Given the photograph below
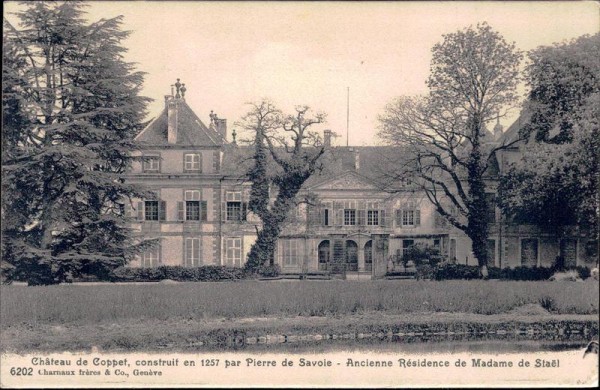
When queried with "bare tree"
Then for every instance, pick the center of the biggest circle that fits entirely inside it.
(286, 153)
(446, 149)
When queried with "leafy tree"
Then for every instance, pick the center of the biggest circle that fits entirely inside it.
(556, 183)
(286, 154)
(446, 149)
(71, 108)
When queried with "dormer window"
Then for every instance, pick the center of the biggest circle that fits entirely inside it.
(192, 162)
(151, 164)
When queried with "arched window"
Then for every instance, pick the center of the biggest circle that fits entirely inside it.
(369, 255)
(323, 255)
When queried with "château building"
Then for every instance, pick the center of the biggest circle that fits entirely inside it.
(356, 226)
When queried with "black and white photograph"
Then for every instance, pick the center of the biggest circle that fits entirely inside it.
(300, 194)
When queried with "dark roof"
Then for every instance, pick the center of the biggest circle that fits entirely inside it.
(512, 133)
(336, 161)
(190, 130)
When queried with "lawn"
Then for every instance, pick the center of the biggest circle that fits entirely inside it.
(184, 316)
(81, 304)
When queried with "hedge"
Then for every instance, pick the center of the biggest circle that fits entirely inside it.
(207, 273)
(462, 271)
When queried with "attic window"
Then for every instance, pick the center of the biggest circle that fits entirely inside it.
(192, 162)
(151, 164)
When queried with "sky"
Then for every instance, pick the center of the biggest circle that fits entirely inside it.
(230, 53)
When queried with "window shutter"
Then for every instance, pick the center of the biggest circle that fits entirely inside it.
(180, 211)
(398, 217)
(417, 217)
(224, 211)
(162, 210)
(203, 211)
(382, 217)
(314, 214)
(140, 211)
(244, 210)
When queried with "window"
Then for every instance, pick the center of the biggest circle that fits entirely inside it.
(326, 217)
(151, 258)
(408, 216)
(195, 209)
(529, 252)
(289, 253)
(234, 210)
(192, 252)
(372, 217)
(233, 252)
(151, 210)
(349, 217)
(192, 162)
(406, 245)
(192, 210)
(568, 251)
(151, 164)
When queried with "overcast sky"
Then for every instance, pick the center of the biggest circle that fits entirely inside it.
(231, 53)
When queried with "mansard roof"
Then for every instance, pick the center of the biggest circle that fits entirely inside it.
(191, 131)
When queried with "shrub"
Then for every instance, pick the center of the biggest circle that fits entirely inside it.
(425, 271)
(456, 271)
(421, 254)
(207, 273)
(269, 271)
(462, 271)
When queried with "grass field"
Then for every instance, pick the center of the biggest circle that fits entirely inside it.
(81, 304)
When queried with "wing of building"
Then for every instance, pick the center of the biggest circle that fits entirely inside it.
(199, 211)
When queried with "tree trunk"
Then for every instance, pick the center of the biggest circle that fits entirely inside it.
(478, 224)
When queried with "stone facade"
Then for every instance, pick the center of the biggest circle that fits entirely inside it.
(199, 210)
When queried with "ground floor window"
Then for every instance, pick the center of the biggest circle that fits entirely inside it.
(233, 252)
(324, 255)
(529, 252)
(192, 252)
(369, 255)
(453, 250)
(406, 245)
(151, 257)
(568, 252)
(289, 253)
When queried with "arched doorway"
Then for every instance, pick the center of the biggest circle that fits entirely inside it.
(351, 256)
(369, 255)
(324, 253)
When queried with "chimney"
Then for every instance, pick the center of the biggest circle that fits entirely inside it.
(221, 125)
(327, 138)
(172, 112)
(498, 131)
(172, 105)
(356, 160)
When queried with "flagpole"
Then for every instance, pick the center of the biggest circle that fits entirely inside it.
(348, 117)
